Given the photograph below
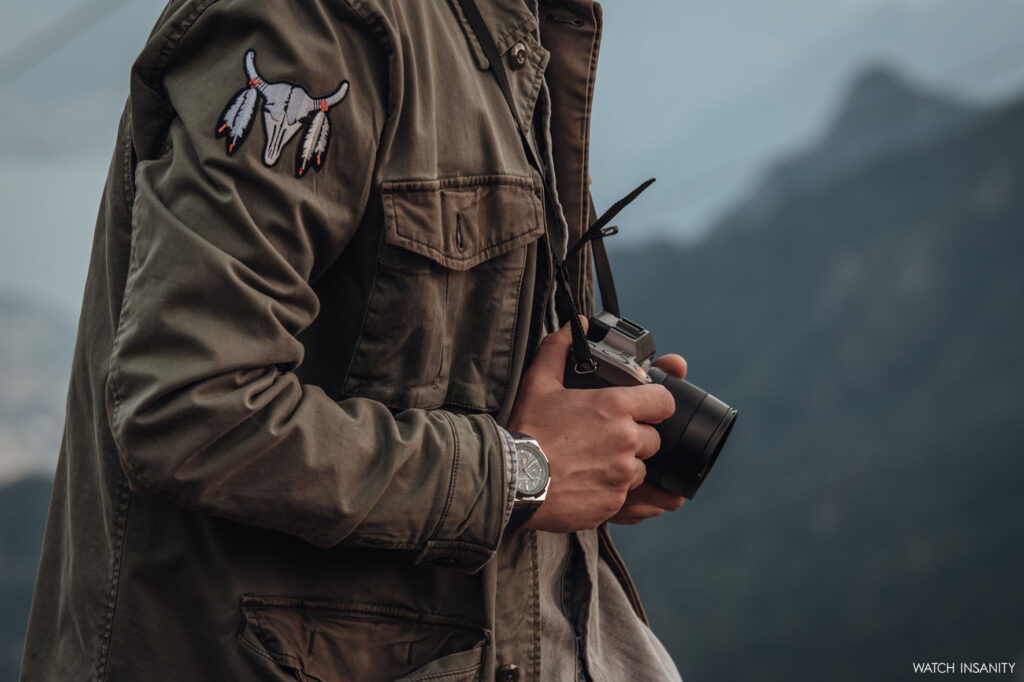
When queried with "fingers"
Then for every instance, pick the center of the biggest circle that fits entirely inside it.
(549, 363)
(673, 364)
(645, 502)
(632, 514)
(649, 404)
(652, 495)
(650, 441)
(639, 475)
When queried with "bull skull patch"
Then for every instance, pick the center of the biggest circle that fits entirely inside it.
(286, 109)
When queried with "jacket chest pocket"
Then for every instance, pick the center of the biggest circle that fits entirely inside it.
(441, 316)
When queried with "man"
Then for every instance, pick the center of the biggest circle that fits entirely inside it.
(310, 358)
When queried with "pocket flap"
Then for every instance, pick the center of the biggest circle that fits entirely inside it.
(461, 222)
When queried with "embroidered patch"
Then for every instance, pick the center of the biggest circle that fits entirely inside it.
(286, 109)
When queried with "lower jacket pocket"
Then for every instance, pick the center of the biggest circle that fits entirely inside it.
(462, 666)
(326, 641)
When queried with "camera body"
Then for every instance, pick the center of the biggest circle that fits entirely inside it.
(692, 438)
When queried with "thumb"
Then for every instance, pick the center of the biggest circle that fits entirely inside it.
(549, 363)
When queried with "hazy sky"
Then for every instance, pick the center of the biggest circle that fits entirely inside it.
(667, 68)
(684, 59)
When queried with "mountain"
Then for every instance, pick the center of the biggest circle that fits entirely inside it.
(882, 113)
(866, 512)
(35, 363)
(707, 151)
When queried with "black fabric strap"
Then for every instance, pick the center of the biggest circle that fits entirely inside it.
(563, 293)
(609, 299)
(596, 234)
(597, 229)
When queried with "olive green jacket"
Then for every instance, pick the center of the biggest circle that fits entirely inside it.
(319, 269)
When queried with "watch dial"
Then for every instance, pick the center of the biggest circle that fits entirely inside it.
(533, 469)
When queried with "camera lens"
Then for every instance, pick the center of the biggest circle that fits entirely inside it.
(690, 439)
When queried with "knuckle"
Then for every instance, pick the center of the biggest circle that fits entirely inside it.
(624, 471)
(613, 403)
(612, 507)
(631, 441)
(650, 440)
(617, 478)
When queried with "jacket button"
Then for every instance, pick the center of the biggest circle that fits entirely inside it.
(518, 56)
(508, 673)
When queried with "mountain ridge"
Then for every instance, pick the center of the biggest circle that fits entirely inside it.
(882, 112)
(864, 331)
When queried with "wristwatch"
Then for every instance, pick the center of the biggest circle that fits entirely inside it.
(532, 479)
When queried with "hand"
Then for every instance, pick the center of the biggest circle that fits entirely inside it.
(647, 501)
(595, 439)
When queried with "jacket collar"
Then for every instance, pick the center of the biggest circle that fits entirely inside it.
(507, 20)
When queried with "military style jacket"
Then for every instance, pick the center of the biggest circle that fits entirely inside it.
(319, 269)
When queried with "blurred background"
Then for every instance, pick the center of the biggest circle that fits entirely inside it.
(835, 243)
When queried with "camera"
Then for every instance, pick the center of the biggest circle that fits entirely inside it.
(691, 438)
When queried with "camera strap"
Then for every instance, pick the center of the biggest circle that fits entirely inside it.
(596, 234)
(585, 362)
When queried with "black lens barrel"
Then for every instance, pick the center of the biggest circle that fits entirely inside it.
(690, 439)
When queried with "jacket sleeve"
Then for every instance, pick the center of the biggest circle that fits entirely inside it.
(202, 398)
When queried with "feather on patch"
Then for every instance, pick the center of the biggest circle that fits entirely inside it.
(314, 143)
(237, 120)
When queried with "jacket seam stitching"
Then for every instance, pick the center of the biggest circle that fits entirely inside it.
(538, 81)
(268, 655)
(117, 561)
(453, 546)
(295, 660)
(457, 182)
(396, 404)
(255, 649)
(595, 47)
(520, 29)
(256, 603)
(128, 191)
(172, 41)
(515, 320)
(486, 251)
(454, 479)
(509, 476)
(446, 673)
